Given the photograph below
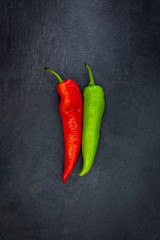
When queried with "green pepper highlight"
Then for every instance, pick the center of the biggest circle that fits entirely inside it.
(93, 109)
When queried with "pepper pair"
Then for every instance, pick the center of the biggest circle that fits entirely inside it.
(71, 108)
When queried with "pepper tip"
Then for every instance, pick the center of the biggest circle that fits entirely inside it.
(85, 64)
(84, 171)
(64, 178)
(81, 174)
(45, 68)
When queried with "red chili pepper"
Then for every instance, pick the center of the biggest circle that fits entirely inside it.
(70, 108)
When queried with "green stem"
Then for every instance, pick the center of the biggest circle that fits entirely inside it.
(59, 78)
(90, 74)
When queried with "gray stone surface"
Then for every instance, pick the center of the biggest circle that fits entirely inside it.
(120, 198)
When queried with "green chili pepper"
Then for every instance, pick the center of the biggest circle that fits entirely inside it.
(93, 109)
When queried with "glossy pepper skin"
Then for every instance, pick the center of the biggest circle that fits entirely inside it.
(70, 108)
(93, 108)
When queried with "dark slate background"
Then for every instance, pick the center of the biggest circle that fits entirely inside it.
(120, 198)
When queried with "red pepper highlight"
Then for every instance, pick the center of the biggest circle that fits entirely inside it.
(70, 108)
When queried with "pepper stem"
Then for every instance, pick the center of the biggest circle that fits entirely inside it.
(90, 74)
(59, 78)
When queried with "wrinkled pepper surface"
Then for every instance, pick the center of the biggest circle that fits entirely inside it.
(93, 108)
(70, 108)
